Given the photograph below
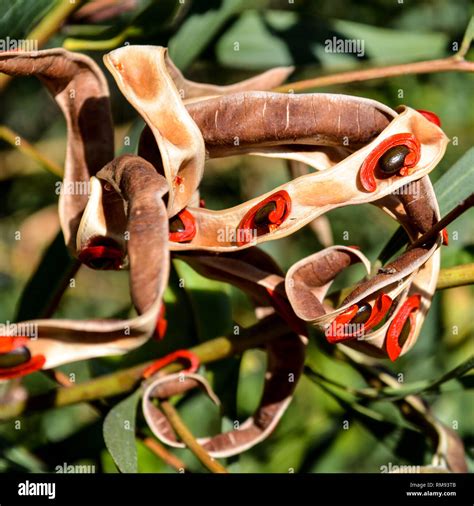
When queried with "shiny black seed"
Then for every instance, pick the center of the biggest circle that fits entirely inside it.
(393, 159)
(363, 313)
(261, 216)
(176, 225)
(405, 333)
(16, 357)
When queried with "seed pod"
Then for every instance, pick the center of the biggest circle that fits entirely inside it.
(15, 357)
(182, 227)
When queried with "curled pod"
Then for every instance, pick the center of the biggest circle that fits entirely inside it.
(182, 227)
(395, 155)
(265, 217)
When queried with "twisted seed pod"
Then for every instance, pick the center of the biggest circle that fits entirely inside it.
(256, 273)
(413, 273)
(80, 89)
(343, 137)
(134, 183)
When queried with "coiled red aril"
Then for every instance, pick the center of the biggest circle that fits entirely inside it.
(16, 359)
(395, 155)
(401, 326)
(182, 227)
(265, 217)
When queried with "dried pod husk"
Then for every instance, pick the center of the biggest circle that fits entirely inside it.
(80, 89)
(192, 90)
(256, 273)
(142, 75)
(314, 194)
(285, 359)
(412, 275)
(140, 190)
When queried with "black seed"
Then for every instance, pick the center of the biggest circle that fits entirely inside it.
(102, 263)
(15, 357)
(176, 225)
(393, 159)
(363, 313)
(405, 333)
(261, 216)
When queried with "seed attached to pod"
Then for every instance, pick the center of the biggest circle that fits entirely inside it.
(402, 325)
(261, 216)
(102, 253)
(265, 217)
(397, 154)
(393, 160)
(363, 313)
(176, 225)
(182, 227)
(15, 357)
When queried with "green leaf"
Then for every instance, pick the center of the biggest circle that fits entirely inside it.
(18, 17)
(119, 433)
(47, 282)
(200, 28)
(456, 184)
(257, 47)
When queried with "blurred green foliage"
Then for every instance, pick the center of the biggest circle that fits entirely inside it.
(225, 41)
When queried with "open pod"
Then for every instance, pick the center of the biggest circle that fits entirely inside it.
(254, 272)
(382, 315)
(80, 89)
(284, 366)
(291, 206)
(139, 189)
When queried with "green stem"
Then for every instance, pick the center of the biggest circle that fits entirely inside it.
(456, 276)
(189, 440)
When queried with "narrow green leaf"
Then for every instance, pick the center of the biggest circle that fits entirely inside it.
(200, 28)
(456, 184)
(119, 433)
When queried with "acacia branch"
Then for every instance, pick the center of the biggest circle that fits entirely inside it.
(189, 440)
(450, 64)
(29, 150)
